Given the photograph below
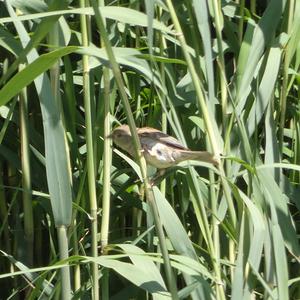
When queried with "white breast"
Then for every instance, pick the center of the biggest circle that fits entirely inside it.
(159, 155)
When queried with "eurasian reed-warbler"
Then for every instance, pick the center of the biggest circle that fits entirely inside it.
(159, 149)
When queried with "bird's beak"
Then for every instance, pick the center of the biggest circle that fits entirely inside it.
(110, 136)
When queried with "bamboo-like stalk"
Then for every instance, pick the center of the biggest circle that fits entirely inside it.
(76, 272)
(162, 47)
(215, 224)
(106, 163)
(106, 180)
(63, 254)
(220, 58)
(284, 90)
(106, 157)
(140, 159)
(90, 152)
(241, 20)
(253, 6)
(4, 213)
(26, 178)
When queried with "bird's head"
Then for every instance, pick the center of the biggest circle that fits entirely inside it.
(121, 136)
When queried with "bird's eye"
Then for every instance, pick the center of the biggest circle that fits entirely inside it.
(159, 152)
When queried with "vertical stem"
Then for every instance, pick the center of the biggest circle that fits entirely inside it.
(106, 158)
(63, 254)
(76, 272)
(90, 152)
(26, 179)
(107, 164)
(241, 20)
(215, 225)
(106, 176)
(163, 46)
(221, 63)
(74, 231)
(253, 7)
(284, 91)
(4, 213)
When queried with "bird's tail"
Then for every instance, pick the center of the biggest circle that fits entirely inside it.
(199, 155)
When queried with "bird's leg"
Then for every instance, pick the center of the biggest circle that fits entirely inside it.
(159, 173)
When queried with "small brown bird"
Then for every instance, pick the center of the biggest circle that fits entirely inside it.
(159, 149)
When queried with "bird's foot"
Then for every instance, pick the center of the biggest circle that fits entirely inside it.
(158, 177)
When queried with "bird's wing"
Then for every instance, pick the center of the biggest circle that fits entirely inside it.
(155, 134)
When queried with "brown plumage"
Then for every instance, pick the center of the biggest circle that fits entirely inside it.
(159, 149)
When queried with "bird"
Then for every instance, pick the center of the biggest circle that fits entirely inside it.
(159, 149)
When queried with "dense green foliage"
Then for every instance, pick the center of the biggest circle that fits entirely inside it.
(79, 219)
